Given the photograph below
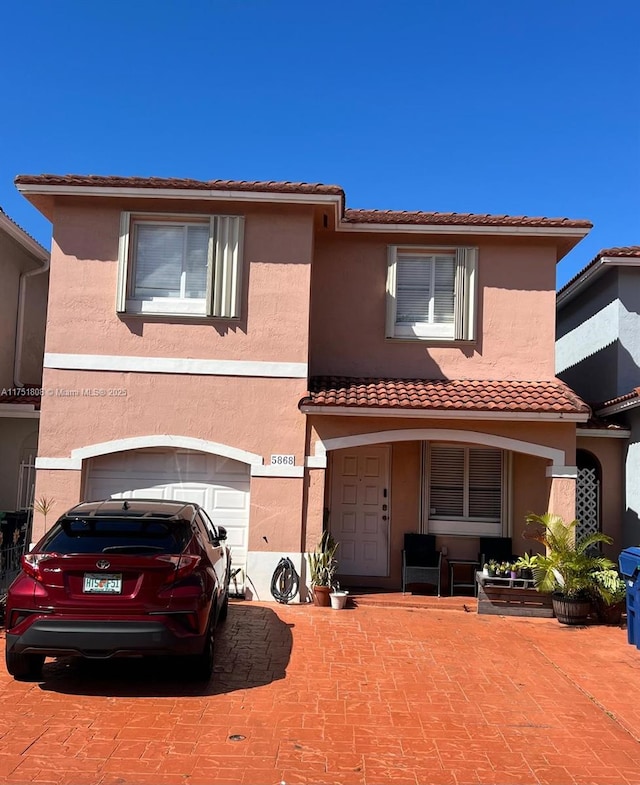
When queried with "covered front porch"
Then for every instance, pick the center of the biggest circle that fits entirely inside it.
(378, 476)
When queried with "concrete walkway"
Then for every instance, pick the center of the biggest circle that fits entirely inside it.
(368, 696)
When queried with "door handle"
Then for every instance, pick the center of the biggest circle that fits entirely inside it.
(384, 517)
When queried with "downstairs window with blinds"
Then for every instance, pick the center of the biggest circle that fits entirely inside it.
(431, 293)
(182, 265)
(465, 490)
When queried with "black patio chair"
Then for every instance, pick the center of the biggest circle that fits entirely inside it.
(497, 548)
(421, 561)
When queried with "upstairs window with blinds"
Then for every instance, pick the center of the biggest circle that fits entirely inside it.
(187, 265)
(465, 489)
(431, 293)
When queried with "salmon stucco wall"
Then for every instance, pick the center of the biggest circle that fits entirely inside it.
(86, 408)
(610, 453)
(62, 489)
(515, 313)
(275, 314)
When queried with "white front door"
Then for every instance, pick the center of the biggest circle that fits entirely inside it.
(359, 515)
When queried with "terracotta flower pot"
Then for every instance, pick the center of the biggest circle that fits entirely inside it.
(321, 596)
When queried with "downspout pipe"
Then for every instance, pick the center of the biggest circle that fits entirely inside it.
(35, 250)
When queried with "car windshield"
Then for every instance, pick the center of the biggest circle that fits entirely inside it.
(117, 535)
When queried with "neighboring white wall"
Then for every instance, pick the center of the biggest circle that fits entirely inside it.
(590, 336)
(631, 514)
(260, 568)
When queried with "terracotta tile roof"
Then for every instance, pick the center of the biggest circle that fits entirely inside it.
(110, 181)
(623, 251)
(458, 219)
(23, 230)
(272, 186)
(27, 400)
(445, 394)
(635, 393)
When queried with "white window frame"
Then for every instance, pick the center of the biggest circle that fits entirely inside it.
(463, 328)
(224, 267)
(465, 525)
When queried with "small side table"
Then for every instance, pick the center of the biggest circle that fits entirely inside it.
(471, 565)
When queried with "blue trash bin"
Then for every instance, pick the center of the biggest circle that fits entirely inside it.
(629, 561)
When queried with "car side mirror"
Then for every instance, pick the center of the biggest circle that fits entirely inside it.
(222, 533)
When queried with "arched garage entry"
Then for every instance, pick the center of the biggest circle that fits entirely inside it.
(217, 483)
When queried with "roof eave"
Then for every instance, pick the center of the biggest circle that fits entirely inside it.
(601, 433)
(591, 273)
(42, 195)
(446, 414)
(617, 408)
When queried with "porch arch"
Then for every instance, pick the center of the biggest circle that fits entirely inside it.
(557, 457)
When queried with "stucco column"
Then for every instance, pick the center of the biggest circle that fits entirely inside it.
(314, 508)
(61, 487)
(562, 493)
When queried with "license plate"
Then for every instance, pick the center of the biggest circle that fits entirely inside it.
(97, 583)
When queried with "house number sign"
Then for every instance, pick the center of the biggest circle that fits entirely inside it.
(283, 460)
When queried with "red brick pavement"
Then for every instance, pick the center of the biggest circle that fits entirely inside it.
(364, 696)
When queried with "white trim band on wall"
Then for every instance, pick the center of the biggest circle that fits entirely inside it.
(562, 472)
(175, 365)
(74, 461)
(277, 471)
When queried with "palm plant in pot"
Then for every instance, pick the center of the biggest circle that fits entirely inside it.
(567, 568)
(322, 568)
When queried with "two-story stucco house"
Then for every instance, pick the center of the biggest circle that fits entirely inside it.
(293, 364)
(598, 354)
(24, 266)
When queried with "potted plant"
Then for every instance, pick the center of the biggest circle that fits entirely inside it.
(609, 595)
(567, 567)
(322, 568)
(525, 564)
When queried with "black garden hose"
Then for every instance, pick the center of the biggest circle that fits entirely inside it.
(285, 581)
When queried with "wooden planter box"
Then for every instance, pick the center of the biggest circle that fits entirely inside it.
(511, 597)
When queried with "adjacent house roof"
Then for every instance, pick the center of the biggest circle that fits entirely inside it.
(595, 267)
(21, 236)
(32, 401)
(602, 426)
(441, 396)
(615, 405)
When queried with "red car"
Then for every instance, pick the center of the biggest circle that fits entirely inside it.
(121, 578)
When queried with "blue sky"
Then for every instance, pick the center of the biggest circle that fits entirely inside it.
(490, 107)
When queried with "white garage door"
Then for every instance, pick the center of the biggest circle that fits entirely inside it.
(219, 485)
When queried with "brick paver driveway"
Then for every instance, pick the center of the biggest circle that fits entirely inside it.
(368, 695)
